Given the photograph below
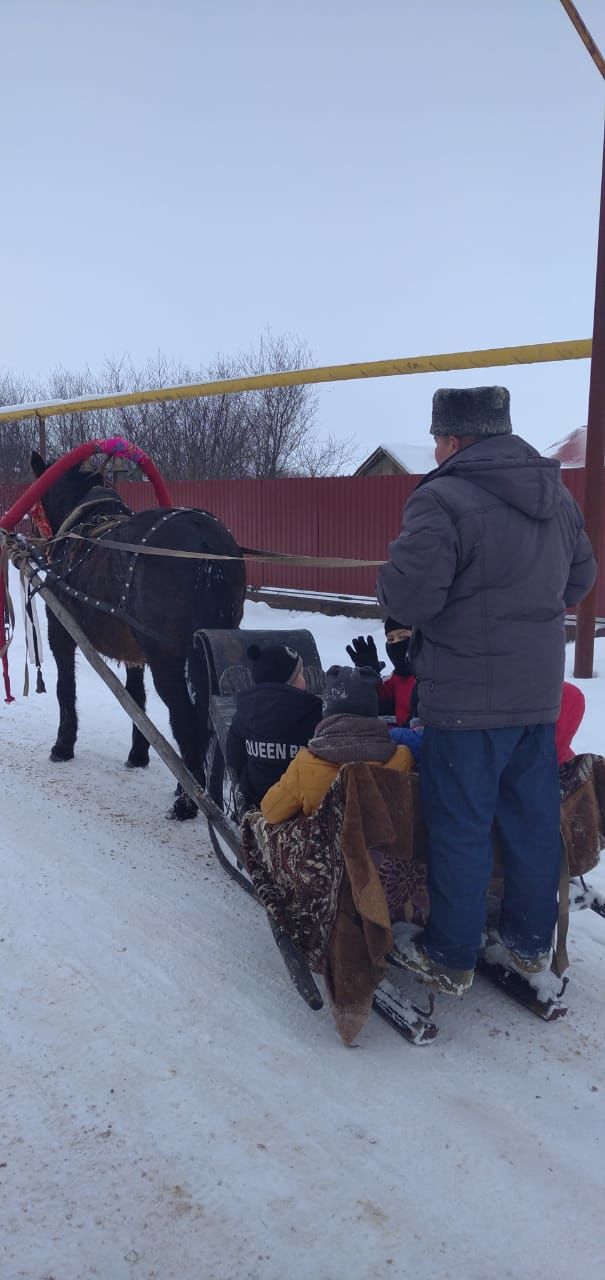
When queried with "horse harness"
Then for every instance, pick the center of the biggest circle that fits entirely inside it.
(93, 529)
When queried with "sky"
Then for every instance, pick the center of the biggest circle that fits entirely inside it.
(382, 178)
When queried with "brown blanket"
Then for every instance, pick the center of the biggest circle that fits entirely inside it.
(378, 822)
(583, 811)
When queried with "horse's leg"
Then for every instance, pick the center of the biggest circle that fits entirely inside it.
(63, 649)
(188, 726)
(138, 756)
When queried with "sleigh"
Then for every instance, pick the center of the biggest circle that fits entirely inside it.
(335, 884)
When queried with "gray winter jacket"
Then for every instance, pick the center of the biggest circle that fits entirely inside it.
(492, 551)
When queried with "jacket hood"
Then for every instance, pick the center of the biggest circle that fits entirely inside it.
(511, 470)
(351, 739)
(262, 705)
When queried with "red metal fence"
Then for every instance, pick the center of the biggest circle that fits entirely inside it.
(350, 516)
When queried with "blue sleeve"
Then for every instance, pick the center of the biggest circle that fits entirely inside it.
(408, 738)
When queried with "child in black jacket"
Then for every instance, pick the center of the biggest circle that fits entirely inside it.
(273, 720)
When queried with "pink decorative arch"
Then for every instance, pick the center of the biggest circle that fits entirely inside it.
(116, 447)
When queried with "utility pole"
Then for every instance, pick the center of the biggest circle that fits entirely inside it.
(595, 432)
(595, 450)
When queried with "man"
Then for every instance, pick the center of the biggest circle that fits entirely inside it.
(492, 551)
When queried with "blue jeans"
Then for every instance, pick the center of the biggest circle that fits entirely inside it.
(473, 780)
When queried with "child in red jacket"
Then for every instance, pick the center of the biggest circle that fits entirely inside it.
(571, 715)
(397, 695)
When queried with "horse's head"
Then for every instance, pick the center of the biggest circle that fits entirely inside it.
(67, 492)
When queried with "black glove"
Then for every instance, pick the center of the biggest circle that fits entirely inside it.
(363, 653)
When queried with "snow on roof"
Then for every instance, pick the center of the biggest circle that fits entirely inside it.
(571, 450)
(416, 459)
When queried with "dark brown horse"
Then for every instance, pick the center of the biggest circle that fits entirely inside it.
(146, 607)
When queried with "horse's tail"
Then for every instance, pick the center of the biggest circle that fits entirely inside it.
(219, 593)
(219, 588)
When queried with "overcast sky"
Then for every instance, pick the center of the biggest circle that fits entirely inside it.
(381, 177)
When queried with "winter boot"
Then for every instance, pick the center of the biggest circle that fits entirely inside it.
(450, 982)
(497, 952)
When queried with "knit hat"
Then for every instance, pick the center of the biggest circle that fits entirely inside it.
(350, 691)
(473, 411)
(277, 664)
(391, 625)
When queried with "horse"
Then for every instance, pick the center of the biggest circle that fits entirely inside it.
(141, 610)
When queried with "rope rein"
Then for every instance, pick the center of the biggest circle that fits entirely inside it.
(68, 530)
(249, 553)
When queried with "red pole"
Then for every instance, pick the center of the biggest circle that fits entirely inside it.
(595, 450)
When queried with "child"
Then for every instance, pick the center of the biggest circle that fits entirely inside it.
(350, 732)
(398, 694)
(571, 715)
(273, 720)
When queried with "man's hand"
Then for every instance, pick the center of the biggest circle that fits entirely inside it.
(363, 653)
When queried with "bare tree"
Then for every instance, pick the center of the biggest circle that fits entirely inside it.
(267, 433)
(283, 436)
(17, 439)
(328, 457)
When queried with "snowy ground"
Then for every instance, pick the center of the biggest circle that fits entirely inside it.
(171, 1110)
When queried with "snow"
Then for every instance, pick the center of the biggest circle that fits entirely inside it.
(171, 1109)
(571, 451)
(416, 458)
(419, 459)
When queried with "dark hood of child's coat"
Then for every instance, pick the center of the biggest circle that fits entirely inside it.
(272, 722)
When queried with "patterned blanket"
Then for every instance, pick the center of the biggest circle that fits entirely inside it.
(318, 877)
(297, 868)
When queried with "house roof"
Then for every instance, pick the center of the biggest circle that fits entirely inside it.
(416, 459)
(571, 450)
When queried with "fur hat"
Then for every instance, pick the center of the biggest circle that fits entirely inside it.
(276, 664)
(473, 411)
(350, 691)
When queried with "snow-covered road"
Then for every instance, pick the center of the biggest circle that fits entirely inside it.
(171, 1111)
